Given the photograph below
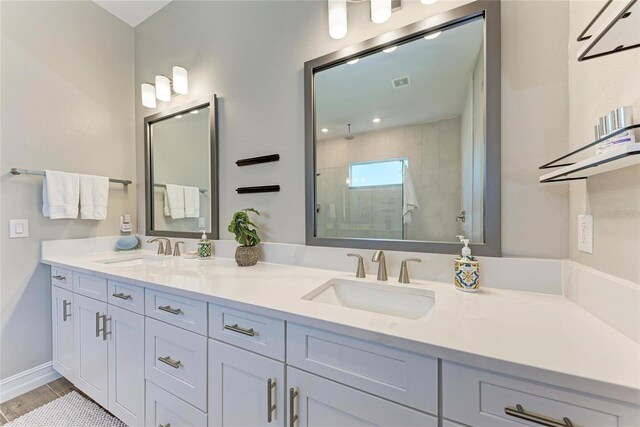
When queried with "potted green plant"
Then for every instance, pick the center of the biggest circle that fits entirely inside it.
(247, 236)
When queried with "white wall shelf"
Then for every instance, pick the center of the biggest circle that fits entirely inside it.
(612, 159)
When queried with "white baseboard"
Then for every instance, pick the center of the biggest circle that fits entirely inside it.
(26, 381)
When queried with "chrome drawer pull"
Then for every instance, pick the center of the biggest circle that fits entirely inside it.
(169, 361)
(271, 384)
(293, 393)
(59, 277)
(122, 296)
(98, 324)
(168, 309)
(519, 412)
(65, 315)
(164, 425)
(238, 329)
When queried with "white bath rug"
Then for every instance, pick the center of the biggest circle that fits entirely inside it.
(70, 410)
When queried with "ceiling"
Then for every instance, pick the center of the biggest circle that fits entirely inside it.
(132, 12)
(439, 71)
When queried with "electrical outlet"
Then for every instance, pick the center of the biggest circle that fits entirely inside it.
(585, 233)
(201, 223)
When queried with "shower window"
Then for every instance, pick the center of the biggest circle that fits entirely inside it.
(376, 173)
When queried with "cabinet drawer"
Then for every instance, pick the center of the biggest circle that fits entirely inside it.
(164, 409)
(124, 295)
(183, 312)
(62, 277)
(394, 374)
(481, 398)
(176, 360)
(90, 286)
(260, 334)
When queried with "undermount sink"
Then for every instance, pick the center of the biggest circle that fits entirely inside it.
(408, 303)
(130, 261)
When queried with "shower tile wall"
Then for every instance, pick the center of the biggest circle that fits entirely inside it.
(433, 150)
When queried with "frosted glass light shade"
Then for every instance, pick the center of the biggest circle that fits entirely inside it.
(148, 95)
(337, 18)
(163, 88)
(180, 81)
(380, 11)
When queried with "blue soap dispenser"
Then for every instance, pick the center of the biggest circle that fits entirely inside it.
(467, 269)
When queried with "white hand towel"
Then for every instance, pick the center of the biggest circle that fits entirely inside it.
(191, 202)
(410, 200)
(94, 197)
(60, 195)
(167, 208)
(175, 194)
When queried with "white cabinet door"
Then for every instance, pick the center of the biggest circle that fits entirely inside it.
(62, 323)
(318, 402)
(90, 342)
(245, 389)
(125, 332)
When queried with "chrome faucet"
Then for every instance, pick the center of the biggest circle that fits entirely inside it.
(176, 248)
(162, 250)
(404, 271)
(378, 256)
(360, 273)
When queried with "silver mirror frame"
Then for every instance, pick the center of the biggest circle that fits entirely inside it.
(148, 161)
(490, 10)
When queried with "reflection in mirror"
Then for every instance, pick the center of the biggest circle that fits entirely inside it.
(400, 140)
(181, 169)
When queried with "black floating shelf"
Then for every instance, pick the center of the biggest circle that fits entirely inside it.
(257, 160)
(260, 189)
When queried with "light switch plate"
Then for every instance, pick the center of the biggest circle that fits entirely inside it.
(18, 228)
(585, 233)
(201, 223)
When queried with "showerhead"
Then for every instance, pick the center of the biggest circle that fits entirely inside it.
(349, 137)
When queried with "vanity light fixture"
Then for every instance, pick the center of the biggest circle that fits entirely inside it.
(428, 1)
(180, 80)
(324, 130)
(376, 120)
(432, 35)
(337, 18)
(353, 61)
(390, 49)
(163, 88)
(380, 11)
(148, 95)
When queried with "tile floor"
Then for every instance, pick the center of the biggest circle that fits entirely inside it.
(18, 406)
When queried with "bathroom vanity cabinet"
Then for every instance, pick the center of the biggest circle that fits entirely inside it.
(161, 357)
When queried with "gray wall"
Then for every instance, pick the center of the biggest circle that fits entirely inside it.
(67, 104)
(251, 53)
(596, 87)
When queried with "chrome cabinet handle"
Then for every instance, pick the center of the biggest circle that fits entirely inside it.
(65, 314)
(168, 309)
(105, 319)
(122, 296)
(98, 324)
(271, 385)
(169, 361)
(59, 277)
(519, 412)
(238, 329)
(293, 393)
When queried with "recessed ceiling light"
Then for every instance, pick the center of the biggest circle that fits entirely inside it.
(353, 61)
(194, 111)
(428, 1)
(324, 130)
(376, 120)
(390, 49)
(432, 35)
(179, 116)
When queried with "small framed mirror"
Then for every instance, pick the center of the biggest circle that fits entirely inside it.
(181, 171)
(403, 137)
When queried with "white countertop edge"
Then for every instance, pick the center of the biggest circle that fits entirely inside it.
(544, 375)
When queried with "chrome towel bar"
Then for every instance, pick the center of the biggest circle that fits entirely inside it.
(16, 171)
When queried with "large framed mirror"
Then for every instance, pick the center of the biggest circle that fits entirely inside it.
(181, 171)
(403, 137)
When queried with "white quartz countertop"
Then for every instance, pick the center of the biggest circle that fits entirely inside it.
(546, 337)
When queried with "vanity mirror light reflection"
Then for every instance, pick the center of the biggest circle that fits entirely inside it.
(402, 142)
(181, 171)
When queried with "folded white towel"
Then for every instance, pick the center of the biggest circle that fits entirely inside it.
(94, 197)
(175, 197)
(60, 195)
(410, 199)
(191, 202)
(167, 209)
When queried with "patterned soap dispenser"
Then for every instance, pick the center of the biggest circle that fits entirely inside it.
(467, 271)
(204, 247)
